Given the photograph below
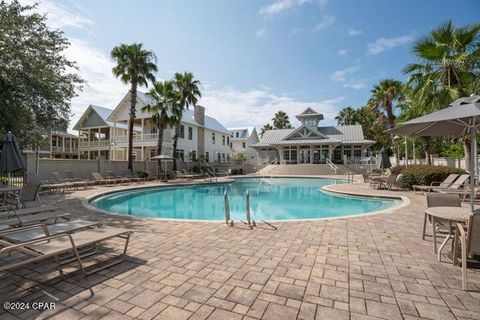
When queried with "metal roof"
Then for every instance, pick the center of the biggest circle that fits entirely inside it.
(103, 113)
(335, 134)
(189, 116)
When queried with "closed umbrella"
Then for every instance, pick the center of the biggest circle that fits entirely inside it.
(384, 160)
(11, 159)
(460, 118)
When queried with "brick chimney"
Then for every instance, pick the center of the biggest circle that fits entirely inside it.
(199, 114)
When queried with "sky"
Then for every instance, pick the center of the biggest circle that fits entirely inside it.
(253, 58)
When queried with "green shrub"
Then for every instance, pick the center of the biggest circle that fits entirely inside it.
(423, 174)
(142, 174)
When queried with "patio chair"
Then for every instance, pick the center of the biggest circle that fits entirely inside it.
(389, 182)
(134, 178)
(467, 243)
(457, 185)
(439, 200)
(63, 247)
(437, 185)
(71, 177)
(68, 184)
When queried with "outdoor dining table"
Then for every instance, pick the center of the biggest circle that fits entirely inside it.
(450, 214)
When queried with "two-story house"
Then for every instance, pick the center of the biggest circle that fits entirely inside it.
(241, 140)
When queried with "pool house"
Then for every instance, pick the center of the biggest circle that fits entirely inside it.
(313, 144)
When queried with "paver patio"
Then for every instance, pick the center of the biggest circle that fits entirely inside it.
(367, 267)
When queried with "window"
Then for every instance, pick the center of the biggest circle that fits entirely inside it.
(231, 145)
(223, 157)
(207, 157)
(190, 133)
(286, 154)
(218, 157)
(193, 155)
(243, 145)
(213, 137)
(223, 140)
(153, 130)
(181, 154)
(357, 153)
(228, 141)
(153, 153)
(237, 134)
(182, 131)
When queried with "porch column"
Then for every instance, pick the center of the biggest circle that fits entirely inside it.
(51, 144)
(88, 155)
(142, 152)
(311, 154)
(142, 131)
(280, 150)
(330, 151)
(63, 144)
(298, 154)
(89, 133)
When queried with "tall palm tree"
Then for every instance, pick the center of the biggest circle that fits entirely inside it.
(134, 66)
(166, 99)
(447, 68)
(189, 93)
(347, 116)
(281, 121)
(383, 98)
(266, 127)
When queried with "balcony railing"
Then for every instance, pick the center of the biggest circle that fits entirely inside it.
(147, 137)
(94, 143)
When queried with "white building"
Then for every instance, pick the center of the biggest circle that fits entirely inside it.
(200, 135)
(311, 143)
(241, 140)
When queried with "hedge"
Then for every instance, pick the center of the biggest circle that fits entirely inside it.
(423, 174)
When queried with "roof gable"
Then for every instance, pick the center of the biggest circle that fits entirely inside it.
(304, 133)
(309, 111)
(94, 116)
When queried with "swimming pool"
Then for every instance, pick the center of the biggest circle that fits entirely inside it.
(270, 199)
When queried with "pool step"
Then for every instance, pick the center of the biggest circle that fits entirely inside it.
(302, 169)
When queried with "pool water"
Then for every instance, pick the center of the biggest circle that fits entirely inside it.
(270, 199)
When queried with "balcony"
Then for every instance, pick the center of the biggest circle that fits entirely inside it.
(147, 138)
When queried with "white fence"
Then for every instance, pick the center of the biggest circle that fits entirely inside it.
(437, 161)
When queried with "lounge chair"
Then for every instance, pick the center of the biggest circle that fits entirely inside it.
(389, 182)
(68, 184)
(25, 220)
(112, 175)
(62, 247)
(27, 211)
(71, 177)
(457, 185)
(134, 178)
(101, 180)
(437, 185)
(25, 234)
(439, 200)
(28, 194)
(468, 243)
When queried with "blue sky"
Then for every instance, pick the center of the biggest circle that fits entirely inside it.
(254, 57)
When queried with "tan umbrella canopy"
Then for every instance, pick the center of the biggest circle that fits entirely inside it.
(460, 118)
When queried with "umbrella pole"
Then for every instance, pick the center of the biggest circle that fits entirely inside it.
(473, 155)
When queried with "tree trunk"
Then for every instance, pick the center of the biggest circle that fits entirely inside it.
(159, 146)
(175, 142)
(426, 148)
(468, 154)
(133, 102)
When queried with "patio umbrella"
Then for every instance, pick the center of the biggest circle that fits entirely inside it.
(11, 159)
(384, 160)
(163, 157)
(461, 118)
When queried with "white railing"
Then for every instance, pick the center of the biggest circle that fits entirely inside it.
(93, 143)
(147, 137)
(332, 165)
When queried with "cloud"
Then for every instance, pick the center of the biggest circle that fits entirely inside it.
(95, 66)
(261, 33)
(383, 44)
(59, 16)
(325, 22)
(354, 32)
(342, 52)
(234, 108)
(296, 31)
(356, 85)
(340, 75)
(281, 6)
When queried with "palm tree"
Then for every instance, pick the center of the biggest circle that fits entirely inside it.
(134, 66)
(166, 99)
(189, 93)
(383, 98)
(281, 121)
(347, 116)
(266, 127)
(447, 68)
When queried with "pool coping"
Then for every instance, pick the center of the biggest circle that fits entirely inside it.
(405, 201)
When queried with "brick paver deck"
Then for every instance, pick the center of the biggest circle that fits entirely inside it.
(370, 267)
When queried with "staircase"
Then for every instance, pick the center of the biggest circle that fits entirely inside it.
(302, 169)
